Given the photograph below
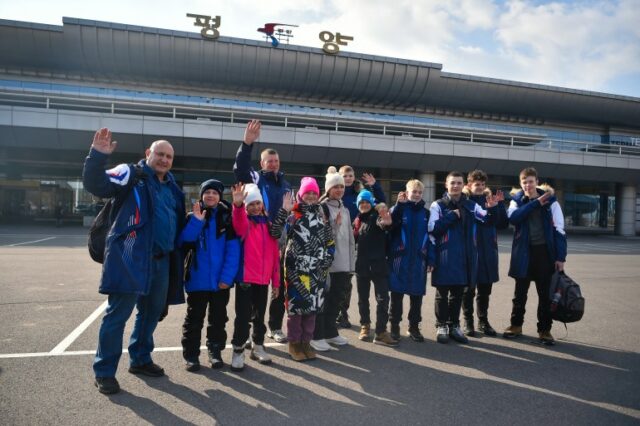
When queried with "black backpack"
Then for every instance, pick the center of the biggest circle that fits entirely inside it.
(104, 220)
(567, 303)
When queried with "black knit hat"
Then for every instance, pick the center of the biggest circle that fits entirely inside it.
(214, 184)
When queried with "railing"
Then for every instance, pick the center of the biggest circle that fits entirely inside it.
(310, 121)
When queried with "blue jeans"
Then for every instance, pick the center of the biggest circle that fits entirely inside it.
(118, 312)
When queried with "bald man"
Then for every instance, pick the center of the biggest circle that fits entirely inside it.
(142, 262)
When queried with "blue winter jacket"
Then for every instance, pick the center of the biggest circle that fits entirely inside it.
(455, 240)
(488, 240)
(128, 253)
(217, 250)
(350, 196)
(411, 249)
(272, 186)
(552, 221)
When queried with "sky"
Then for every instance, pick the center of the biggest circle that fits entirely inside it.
(580, 44)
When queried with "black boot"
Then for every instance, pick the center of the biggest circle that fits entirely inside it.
(215, 356)
(414, 333)
(395, 331)
(469, 328)
(485, 327)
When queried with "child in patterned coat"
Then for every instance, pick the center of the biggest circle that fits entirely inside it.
(308, 255)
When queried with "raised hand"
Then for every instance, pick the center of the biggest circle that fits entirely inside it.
(238, 194)
(198, 213)
(252, 132)
(544, 198)
(402, 197)
(368, 179)
(102, 141)
(385, 217)
(499, 195)
(287, 201)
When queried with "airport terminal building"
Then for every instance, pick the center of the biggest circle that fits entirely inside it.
(396, 118)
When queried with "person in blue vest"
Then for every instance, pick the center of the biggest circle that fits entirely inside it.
(212, 267)
(352, 188)
(273, 186)
(478, 191)
(453, 225)
(142, 265)
(408, 258)
(539, 248)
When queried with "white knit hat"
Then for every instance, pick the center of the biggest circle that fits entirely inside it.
(253, 193)
(332, 179)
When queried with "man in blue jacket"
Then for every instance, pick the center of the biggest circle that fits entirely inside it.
(453, 225)
(141, 261)
(478, 192)
(539, 248)
(273, 186)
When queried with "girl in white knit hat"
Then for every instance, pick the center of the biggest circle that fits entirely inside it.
(340, 272)
(260, 267)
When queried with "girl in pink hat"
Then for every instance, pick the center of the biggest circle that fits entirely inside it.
(307, 257)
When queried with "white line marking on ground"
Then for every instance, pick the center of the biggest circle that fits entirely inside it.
(93, 352)
(30, 242)
(62, 346)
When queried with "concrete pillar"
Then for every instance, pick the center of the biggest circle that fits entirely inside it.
(625, 210)
(429, 182)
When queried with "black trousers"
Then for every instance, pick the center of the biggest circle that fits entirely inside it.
(381, 290)
(251, 305)
(447, 305)
(326, 319)
(541, 268)
(276, 308)
(415, 307)
(344, 300)
(482, 301)
(197, 303)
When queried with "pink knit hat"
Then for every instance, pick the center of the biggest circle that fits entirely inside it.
(308, 184)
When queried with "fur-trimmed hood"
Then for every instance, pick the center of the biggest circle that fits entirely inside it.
(466, 191)
(542, 188)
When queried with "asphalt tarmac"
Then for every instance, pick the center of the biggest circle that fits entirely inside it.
(50, 311)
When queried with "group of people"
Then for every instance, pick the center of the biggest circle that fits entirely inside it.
(305, 246)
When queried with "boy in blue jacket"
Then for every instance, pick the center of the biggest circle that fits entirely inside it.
(539, 248)
(478, 192)
(212, 266)
(408, 258)
(453, 226)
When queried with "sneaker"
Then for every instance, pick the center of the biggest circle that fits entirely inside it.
(546, 338)
(414, 334)
(237, 358)
(308, 350)
(247, 345)
(365, 331)
(107, 385)
(456, 334)
(149, 369)
(395, 331)
(193, 365)
(512, 331)
(469, 328)
(320, 345)
(486, 328)
(259, 354)
(215, 358)
(296, 352)
(277, 335)
(385, 339)
(338, 340)
(442, 334)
